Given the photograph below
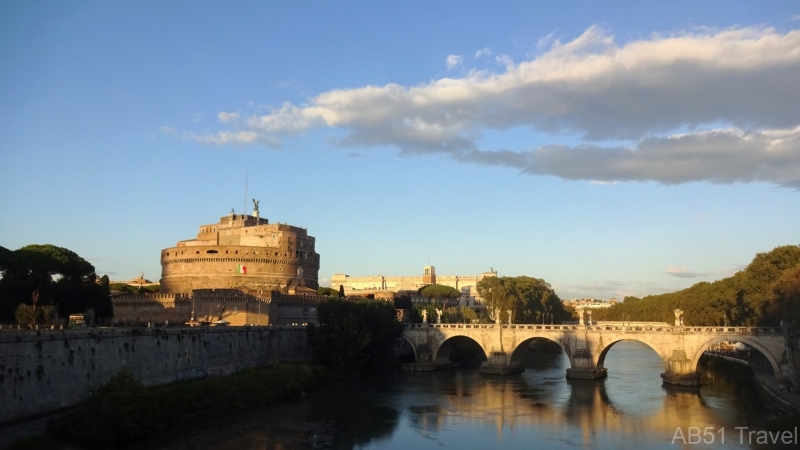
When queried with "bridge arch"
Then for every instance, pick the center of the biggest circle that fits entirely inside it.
(517, 351)
(443, 350)
(773, 360)
(413, 347)
(601, 355)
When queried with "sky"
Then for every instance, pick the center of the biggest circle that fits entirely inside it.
(622, 148)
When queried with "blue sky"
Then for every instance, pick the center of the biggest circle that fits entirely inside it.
(627, 148)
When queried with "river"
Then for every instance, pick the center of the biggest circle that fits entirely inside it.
(463, 409)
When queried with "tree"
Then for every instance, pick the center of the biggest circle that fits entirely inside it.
(439, 292)
(498, 296)
(329, 292)
(785, 297)
(746, 298)
(341, 291)
(354, 336)
(28, 317)
(461, 314)
(47, 274)
(530, 300)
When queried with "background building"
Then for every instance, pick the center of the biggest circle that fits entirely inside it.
(139, 281)
(381, 285)
(590, 303)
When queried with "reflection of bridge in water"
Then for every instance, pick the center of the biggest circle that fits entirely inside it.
(589, 408)
(679, 348)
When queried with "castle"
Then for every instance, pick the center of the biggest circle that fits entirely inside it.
(386, 286)
(241, 270)
(241, 251)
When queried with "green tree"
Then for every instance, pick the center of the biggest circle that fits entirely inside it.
(330, 292)
(498, 296)
(536, 301)
(25, 315)
(439, 292)
(785, 297)
(354, 336)
(746, 298)
(47, 274)
(460, 314)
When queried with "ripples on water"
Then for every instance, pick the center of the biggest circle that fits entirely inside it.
(462, 409)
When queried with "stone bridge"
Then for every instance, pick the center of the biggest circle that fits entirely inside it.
(679, 347)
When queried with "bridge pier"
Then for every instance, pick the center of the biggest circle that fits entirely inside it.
(681, 370)
(585, 365)
(499, 363)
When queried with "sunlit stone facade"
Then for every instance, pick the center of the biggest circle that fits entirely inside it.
(241, 251)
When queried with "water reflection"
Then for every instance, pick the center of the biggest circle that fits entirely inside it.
(463, 409)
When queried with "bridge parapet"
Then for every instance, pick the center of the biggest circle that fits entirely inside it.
(750, 331)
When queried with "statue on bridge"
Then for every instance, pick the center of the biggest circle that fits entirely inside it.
(580, 316)
(678, 317)
(589, 313)
(497, 317)
(438, 315)
(424, 316)
(510, 312)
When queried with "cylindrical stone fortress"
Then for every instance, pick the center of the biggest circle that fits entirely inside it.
(241, 251)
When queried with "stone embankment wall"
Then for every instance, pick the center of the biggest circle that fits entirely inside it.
(46, 370)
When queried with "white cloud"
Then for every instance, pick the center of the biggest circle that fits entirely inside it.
(682, 272)
(718, 156)
(226, 117)
(237, 138)
(453, 61)
(660, 95)
(167, 130)
(507, 61)
(483, 52)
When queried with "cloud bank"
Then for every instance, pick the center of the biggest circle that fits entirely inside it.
(719, 106)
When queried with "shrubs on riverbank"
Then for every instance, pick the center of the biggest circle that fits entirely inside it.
(124, 411)
(354, 336)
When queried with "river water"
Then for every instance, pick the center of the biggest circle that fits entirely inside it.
(462, 409)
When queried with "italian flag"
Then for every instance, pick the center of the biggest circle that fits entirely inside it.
(241, 269)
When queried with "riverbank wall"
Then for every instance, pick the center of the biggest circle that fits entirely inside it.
(47, 370)
(771, 392)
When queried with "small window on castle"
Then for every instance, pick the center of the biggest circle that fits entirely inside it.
(211, 251)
